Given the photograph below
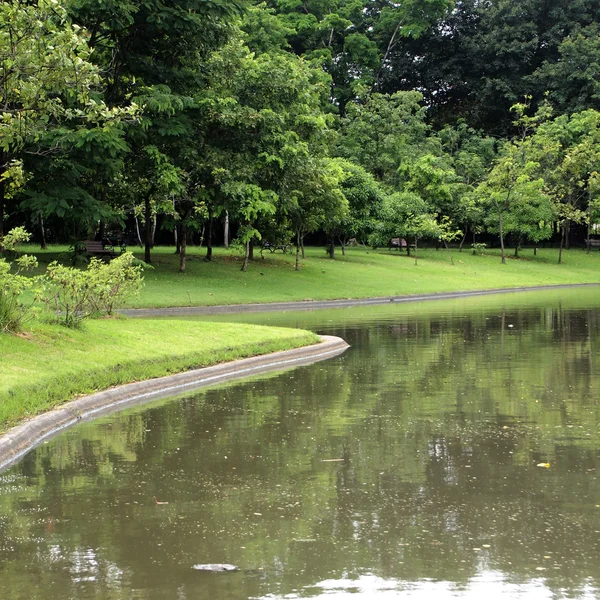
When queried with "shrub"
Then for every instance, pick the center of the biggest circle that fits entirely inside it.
(73, 294)
(12, 311)
(112, 283)
(478, 248)
(65, 291)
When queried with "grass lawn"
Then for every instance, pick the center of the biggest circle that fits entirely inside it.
(50, 364)
(361, 273)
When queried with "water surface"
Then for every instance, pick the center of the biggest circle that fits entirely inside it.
(452, 451)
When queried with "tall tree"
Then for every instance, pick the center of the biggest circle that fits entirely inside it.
(49, 99)
(482, 57)
(153, 51)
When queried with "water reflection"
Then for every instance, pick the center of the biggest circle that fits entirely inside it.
(449, 453)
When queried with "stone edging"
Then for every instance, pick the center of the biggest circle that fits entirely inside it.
(224, 309)
(19, 440)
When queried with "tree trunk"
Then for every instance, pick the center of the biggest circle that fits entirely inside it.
(464, 237)
(2, 196)
(147, 229)
(302, 247)
(137, 229)
(518, 245)
(298, 241)
(246, 256)
(209, 248)
(226, 231)
(251, 250)
(102, 230)
(331, 247)
(589, 231)
(501, 237)
(177, 238)
(153, 232)
(562, 242)
(390, 47)
(43, 241)
(535, 250)
(449, 253)
(343, 246)
(182, 247)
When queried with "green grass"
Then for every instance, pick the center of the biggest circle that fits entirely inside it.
(50, 364)
(361, 273)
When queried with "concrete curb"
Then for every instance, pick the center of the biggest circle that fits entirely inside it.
(19, 440)
(189, 311)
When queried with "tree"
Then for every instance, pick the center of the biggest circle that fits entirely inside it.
(353, 41)
(261, 138)
(572, 80)
(481, 57)
(470, 153)
(154, 51)
(568, 149)
(433, 179)
(512, 192)
(48, 96)
(382, 131)
(364, 196)
(404, 214)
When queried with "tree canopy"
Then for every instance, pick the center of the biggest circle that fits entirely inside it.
(342, 119)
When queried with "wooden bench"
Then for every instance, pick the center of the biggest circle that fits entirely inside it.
(273, 247)
(400, 243)
(94, 248)
(593, 244)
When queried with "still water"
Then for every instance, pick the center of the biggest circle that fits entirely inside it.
(452, 451)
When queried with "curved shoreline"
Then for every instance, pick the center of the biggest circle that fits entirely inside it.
(224, 309)
(19, 440)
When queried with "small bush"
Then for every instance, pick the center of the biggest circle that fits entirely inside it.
(114, 282)
(478, 249)
(12, 311)
(74, 295)
(66, 292)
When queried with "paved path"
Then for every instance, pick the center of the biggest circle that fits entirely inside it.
(189, 311)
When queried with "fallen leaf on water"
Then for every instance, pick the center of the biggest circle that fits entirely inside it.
(544, 465)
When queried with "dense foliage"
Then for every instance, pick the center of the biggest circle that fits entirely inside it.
(344, 119)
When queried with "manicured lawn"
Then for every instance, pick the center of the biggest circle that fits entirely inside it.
(50, 364)
(361, 273)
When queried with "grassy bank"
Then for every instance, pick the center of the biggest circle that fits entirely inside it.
(359, 274)
(50, 364)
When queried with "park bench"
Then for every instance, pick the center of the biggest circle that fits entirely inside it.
(400, 243)
(593, 244)
(99, 249)
(273, 247)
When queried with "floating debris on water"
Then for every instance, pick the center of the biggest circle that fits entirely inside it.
(216, 567)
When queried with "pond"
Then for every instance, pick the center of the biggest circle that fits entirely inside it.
(453, 450)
